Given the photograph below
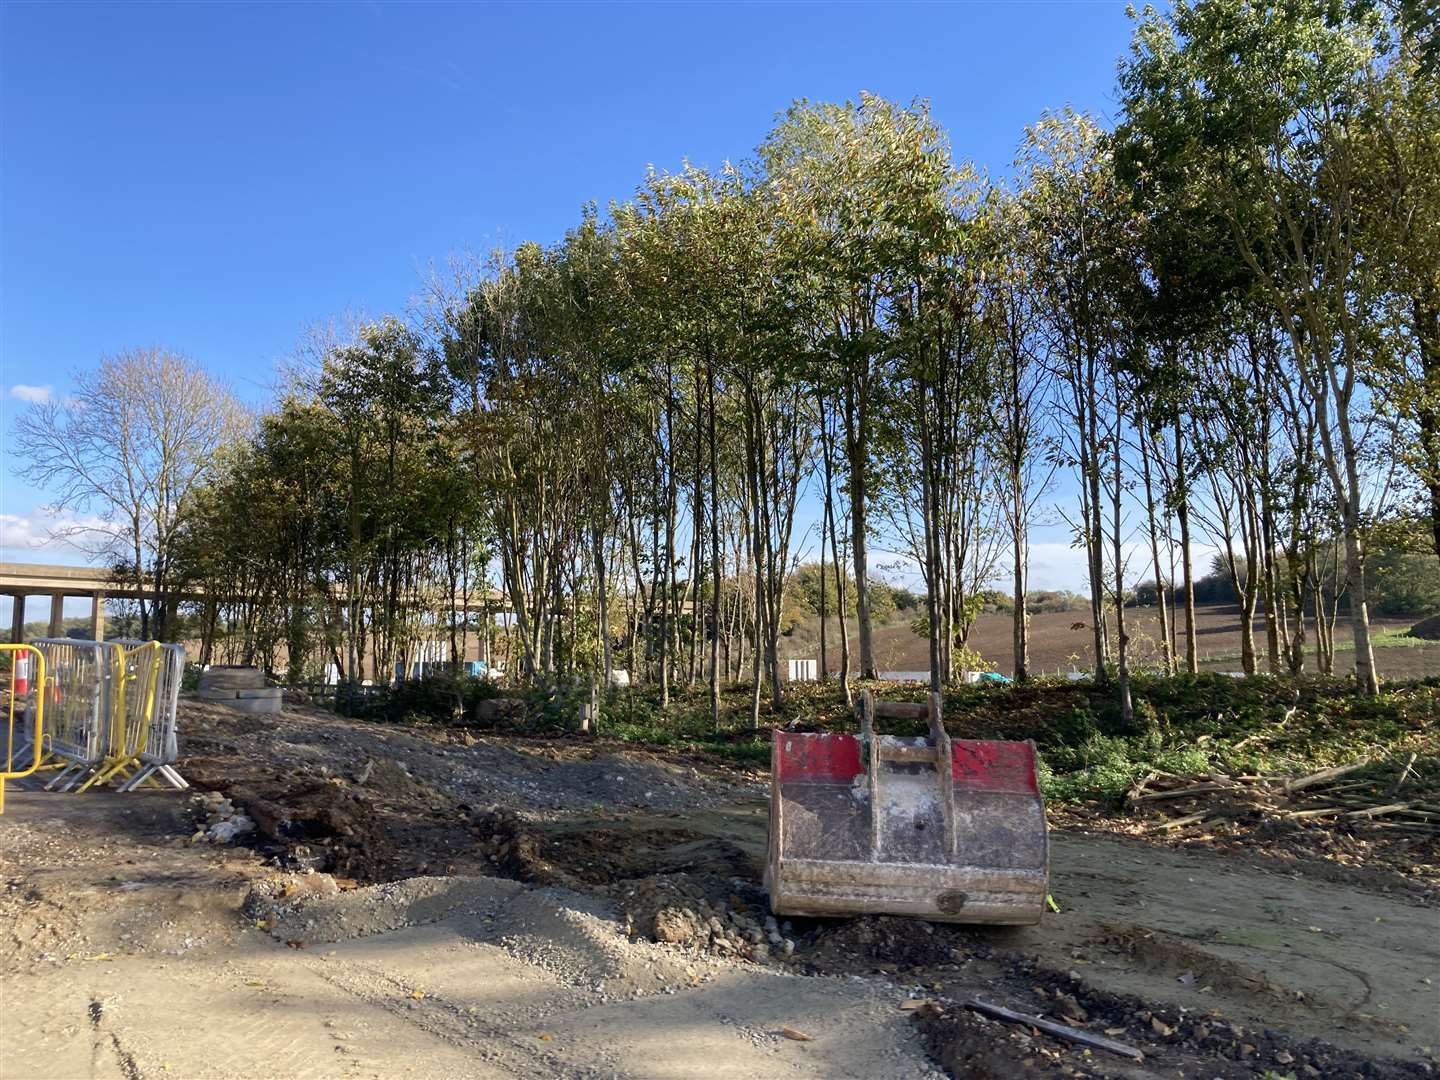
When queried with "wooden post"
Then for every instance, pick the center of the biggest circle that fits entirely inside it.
(57, 615)
(97, 616)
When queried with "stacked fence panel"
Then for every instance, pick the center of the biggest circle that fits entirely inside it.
(157, 747)
(114, 706)
(22, 668)
(78, 700)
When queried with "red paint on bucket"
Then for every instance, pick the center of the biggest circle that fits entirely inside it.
(987, 765)
(816, 758)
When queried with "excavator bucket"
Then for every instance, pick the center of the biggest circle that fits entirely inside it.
(947, 830)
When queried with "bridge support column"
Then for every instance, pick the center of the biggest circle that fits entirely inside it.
(57, 615)
(97, 616)
(17, 617)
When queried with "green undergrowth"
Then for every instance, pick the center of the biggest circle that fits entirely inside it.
(1185, 725)
(1202, 723)
(1188, 724)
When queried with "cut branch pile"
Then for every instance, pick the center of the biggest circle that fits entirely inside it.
(1383, 793)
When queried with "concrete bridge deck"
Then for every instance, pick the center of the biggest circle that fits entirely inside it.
(58, 582)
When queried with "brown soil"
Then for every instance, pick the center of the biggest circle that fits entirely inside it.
(379, 803)
(1362, 853)
(1062, 641)
(1143, 952)
(1213, 962)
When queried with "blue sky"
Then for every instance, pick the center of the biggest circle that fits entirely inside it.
(215, 178)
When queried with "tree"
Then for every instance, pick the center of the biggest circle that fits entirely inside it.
(1277, 136)
(1022, 389)
(840, 175)
(133, 443)
(1087, 273)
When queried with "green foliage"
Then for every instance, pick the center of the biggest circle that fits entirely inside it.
(1193, 724)
(618, 427)
(1403, 583)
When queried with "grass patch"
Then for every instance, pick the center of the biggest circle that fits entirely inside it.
(1397, 638)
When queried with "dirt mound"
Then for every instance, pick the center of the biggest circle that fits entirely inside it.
(603, 856)
(305, 909)
(697, 899)
(321, 825)
(972, 1046)
(889, 943)
(512, 847)
(1174, 1041)
(1427, 629)
(680, 910)
(1173, 1036)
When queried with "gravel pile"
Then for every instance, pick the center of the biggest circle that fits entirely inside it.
(680, 910)
(310, 908)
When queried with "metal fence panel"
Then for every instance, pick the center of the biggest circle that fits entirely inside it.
(159, 749)
(111, 712)
(79, 697)
(27, 680)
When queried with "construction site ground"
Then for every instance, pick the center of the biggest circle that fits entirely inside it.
(430, 902)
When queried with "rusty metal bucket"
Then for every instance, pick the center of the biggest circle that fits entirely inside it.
(947, 830)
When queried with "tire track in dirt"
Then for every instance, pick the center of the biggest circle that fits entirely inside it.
(438, 1018)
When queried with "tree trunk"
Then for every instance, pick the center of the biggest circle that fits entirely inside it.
(1426, 312)
(1182, 515)
(824, 518)
(714, 558)
(1021, 629)
(1122, 638)
(856, 456)
(603, 596)
(1167, 650)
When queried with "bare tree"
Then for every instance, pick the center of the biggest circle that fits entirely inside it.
(131, 444)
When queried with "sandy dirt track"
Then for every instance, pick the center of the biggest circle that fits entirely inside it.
(127, 954)
(127, 950)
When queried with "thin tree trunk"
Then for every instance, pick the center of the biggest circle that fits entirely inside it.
(1122, 638)
(857, 454)
(1167, 652)
(714, 558)
(1182, 515)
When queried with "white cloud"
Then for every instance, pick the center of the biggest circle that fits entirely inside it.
(57, 536)
(36, 395)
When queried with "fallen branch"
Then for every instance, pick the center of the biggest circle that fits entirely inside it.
(1320, 811)
(1409, 765)
(1050, 1027)
(1348, 785)
(1376, 811)
(1180, 793)
(1176, 823)
(1325, 774)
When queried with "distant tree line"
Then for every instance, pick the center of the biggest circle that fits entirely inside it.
(1217, 321)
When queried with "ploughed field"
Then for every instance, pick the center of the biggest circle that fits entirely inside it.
(1063, 641)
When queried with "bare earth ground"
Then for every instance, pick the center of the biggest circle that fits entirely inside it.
(453, 939)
